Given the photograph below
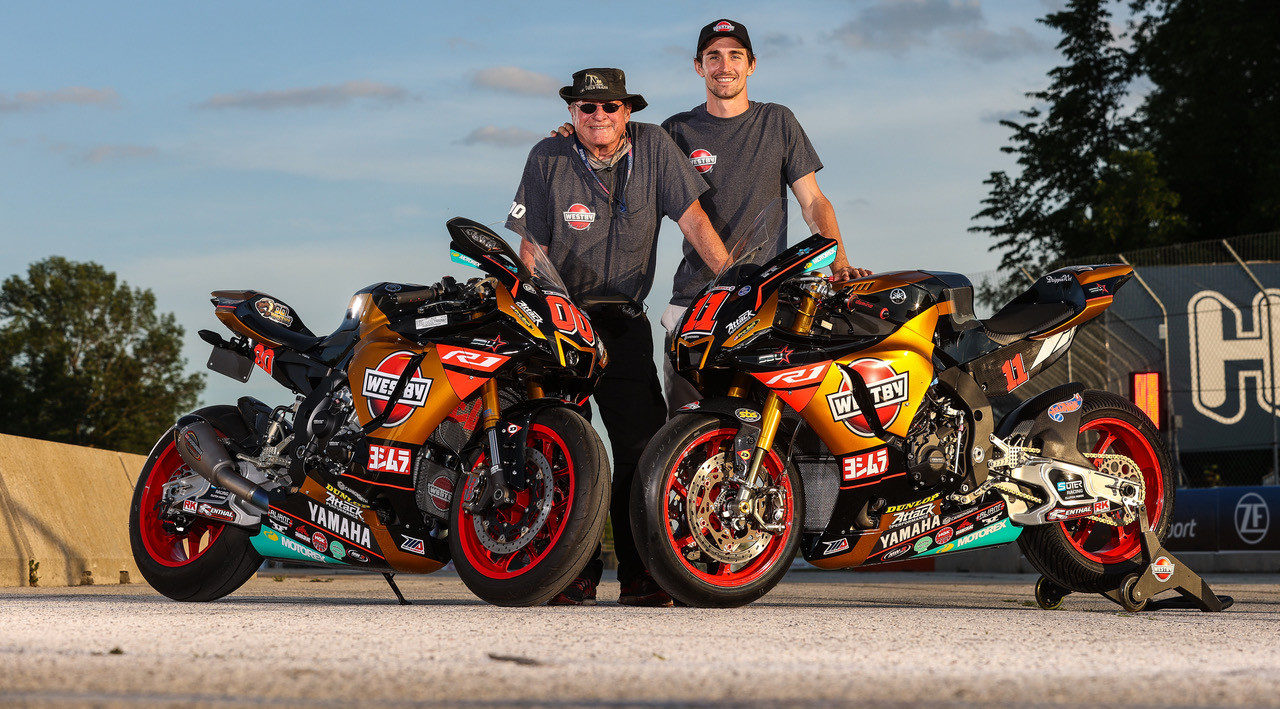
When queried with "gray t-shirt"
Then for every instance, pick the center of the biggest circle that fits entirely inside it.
(604, 244)
(748, 161)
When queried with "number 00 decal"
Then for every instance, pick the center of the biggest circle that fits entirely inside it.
(568, 319)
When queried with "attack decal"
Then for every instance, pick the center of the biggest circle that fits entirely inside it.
(470, 359)
(341, 505)
(1162, 569)
(702, 160)
(338, 525)
(380, 381)
(866, 465)
(911, 516)
(894, 537)
(389, 460)
(889, 390)
(838, 545)
(1059, 410)
(578, 216)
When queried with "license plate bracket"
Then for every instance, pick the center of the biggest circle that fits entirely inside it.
(232, 364)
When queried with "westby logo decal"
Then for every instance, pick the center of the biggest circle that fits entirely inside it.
(702, 160)
(579, 216)
(380, 381)
(889, 390)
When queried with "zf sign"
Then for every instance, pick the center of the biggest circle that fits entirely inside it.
(1225, 354)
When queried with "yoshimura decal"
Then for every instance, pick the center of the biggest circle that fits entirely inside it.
(889, 390)
(388, 459)
(338, 525)
(866, 465)
(380, 381)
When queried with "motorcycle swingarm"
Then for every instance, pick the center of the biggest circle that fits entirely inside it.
(193, 495)
(1070, 491)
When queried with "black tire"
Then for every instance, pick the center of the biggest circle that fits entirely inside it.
(649, 522)
(540, 578)
(1048, 547)
(227, 562)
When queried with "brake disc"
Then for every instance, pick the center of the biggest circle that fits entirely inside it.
(493, 533)
(711, 531)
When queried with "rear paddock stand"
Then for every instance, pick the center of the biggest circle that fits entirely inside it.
(1163, 572)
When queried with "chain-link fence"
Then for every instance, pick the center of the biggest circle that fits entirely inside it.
(1206, 316)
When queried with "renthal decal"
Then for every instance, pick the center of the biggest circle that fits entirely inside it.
(338, 524)
(471, 359)
(568, 319)
(341, 505)
(1061, 513)
(1059, 410)
(414, 545)
(909, 505)
(896, 536)
(912, 515)
(389, 460)
(838, 545)
(273, 311)
(984, 532)
(1162, 568)
(792, 378)
(866, 465)
(264, 357)
(889, 390)
(895, 552)
(524, 307)
(380, 381)
(222, 513)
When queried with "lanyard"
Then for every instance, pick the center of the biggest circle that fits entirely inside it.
(622, 200)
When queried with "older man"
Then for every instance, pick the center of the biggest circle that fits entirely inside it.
(594, 202)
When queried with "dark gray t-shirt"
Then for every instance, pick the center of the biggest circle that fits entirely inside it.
(748, 161)
(602, 244)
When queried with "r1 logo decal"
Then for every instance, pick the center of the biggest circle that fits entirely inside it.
(473, 359)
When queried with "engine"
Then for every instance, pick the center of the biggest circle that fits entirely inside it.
(934, 443)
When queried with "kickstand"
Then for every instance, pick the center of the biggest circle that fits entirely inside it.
(391, 580)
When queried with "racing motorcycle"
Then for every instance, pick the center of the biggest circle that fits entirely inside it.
(436, 423)
(853, 422)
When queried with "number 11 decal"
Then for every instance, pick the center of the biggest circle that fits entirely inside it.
(1015, 372)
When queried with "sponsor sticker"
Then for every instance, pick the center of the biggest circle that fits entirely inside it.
(342, 505)
(922, 544)
(189, 506)
(414, 546)
(388, 459)
(1162, 568)
(744, 290)
(222, 513)
(889, 391)
(747, 415)
(357, 555)
(897, 296)
(524, 308)
(336, 550)
(440, 491)
(691, 406)
(1252, 518)
(838, 545)
(433, 321)
(193, 444)
(380, 381)
(943, 536)
(866, 465)
(319, 541)
(273, 311)
(338, 525)
(895, 552)
(724, 26)
(1059, 410)
(909, 505)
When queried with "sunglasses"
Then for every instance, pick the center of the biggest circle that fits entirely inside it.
(590, 108)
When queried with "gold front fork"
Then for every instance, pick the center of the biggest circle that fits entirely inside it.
(489, 397)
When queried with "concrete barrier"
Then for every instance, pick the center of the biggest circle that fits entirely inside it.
(67, 508)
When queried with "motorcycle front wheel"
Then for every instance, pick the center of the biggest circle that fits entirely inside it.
(525, 552)
(681, 489)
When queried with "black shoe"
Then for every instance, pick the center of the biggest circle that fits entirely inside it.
(644, 591)
(582, 592)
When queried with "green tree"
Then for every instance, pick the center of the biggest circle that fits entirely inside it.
(1132, 208)
(1212, 116)
(86, 360)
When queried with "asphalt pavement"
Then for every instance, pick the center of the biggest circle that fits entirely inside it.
(820, 639)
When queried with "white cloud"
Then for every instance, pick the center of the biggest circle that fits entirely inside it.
(329, 95)
(69, 96)
(515, 80)
(108, 153)
(896, 26)
(502, 137)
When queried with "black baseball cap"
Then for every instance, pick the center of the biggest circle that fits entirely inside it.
(723, 28)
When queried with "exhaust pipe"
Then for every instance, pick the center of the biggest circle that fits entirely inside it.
(200, 448)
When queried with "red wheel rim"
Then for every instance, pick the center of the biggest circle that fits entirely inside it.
(1102, 542)
(505, 566)
(680, 536)
(164, 547)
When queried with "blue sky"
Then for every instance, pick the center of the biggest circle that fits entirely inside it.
(307, 149)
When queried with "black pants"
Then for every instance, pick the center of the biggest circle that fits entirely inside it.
(629, 397)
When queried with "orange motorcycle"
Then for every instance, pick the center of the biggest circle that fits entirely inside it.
(852, 422)
(436, 423)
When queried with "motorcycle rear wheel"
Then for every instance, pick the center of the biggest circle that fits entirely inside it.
(561, 546)
(205, 561)
(1089, 556)
(660, 518)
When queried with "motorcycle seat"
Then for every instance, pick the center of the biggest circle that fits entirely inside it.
(1016, 321)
